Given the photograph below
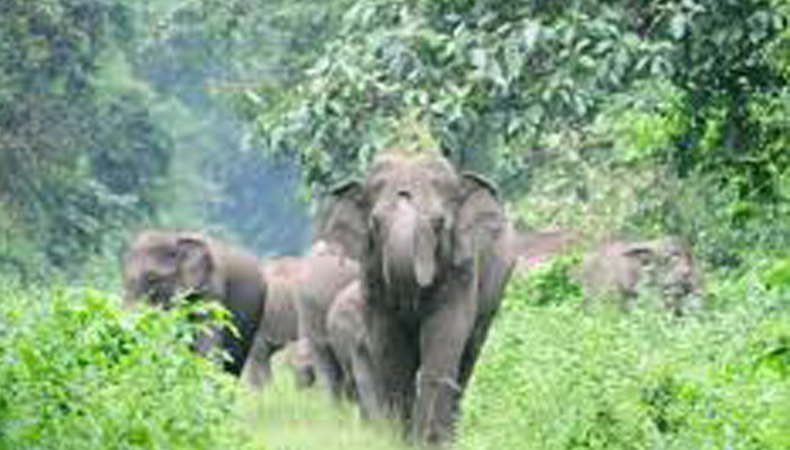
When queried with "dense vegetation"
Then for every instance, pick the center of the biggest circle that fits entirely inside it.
(77, 373)
(558, 378)
(615, 118)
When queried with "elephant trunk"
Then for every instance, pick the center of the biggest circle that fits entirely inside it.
(409, 250)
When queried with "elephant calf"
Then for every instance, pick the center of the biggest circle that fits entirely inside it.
(619, 269)
(328, 273)
(351, 346)
(279, 327)
(163, 264)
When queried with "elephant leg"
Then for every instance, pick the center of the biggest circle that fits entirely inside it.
(238, 345)
(493, 281)
(366, 384)
(444, 338)
(473, 347)
(258, 370)
(394, 353)
(328, 369)
(301, 363)
(305, 376)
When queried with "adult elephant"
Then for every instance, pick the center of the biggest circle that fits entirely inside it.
(279, 327)
(434, 247)
(618, 269)
(163, 264)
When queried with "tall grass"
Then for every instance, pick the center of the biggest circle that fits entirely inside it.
(288, 418)
(77, 372)
(555, 377)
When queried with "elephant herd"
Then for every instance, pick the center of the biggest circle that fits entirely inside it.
(392, 303)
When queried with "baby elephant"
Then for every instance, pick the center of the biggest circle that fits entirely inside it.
(351, 348)
(621, 268)
(279, 327)
(163, 264)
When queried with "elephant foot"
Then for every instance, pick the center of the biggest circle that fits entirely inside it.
(305, 379)
(437, 397)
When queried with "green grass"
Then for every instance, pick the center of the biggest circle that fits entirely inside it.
(77, 372)
(284, 417)
(554, 377)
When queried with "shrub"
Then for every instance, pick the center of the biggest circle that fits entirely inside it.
(77, 372)
(554, 377)
(547, 283)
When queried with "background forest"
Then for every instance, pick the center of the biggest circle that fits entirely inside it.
(614, 117)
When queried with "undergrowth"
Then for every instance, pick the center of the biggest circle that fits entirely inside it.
(79, 373)
(553, 376)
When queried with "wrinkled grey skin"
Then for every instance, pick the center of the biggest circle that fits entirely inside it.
(435, 256)
(163, 264)
(279, 327)
(328, 271)
(351, 346)
(620, 269)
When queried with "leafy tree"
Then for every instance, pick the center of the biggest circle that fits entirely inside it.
(77, 157)
(500, 83)
(208, 56)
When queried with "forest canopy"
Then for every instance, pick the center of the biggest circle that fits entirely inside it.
(111, 111)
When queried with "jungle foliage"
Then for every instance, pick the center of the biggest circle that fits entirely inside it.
(644, 117)
(80, 153)
(611, 117)
(115, 114)
(78, 372)
(558, 377)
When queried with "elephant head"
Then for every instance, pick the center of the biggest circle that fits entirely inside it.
(670, 265)
(412, 219)
(664, 264)
(161, 264)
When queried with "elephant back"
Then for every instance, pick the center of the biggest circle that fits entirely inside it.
(327, 274)
(283, 278)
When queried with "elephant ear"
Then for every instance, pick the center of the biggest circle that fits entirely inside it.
(340, 220)
(480, 218)
(196, 264)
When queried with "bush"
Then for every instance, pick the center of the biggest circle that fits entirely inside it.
(553, 377)
(77, 372)
(547, 283)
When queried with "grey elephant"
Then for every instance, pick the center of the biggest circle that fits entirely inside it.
(351, 347)
(619, 269)
(434, 245)
(280, 325)
(328, 271)
(163, 264)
